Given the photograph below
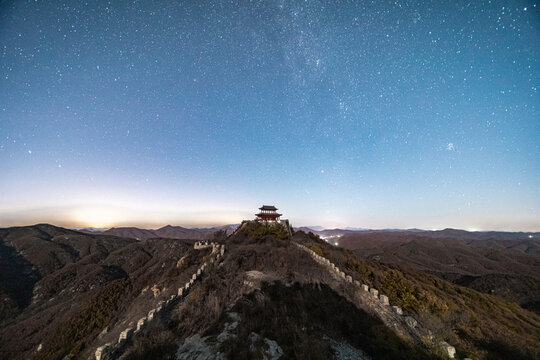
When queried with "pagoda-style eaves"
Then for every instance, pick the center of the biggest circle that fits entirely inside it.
(268, 208)
(271, 214)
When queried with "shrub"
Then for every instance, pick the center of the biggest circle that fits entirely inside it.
(157, 343)
(259, 230)
(69, 338)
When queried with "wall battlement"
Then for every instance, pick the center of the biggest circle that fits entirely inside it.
(111, 351)
(373, 293)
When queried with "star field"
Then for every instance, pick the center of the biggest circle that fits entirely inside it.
(379, 114)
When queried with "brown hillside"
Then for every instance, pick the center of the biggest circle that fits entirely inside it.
(265, 296)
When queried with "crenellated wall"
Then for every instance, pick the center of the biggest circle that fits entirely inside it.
(374, 293)
(201, 245)
(113, 350)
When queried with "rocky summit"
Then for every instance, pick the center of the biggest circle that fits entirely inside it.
(262, 292)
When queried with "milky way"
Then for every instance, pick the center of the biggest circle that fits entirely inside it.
(371, 114)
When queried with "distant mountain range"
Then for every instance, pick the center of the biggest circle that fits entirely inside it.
(167, 232)
(506, 264)
(454, 233)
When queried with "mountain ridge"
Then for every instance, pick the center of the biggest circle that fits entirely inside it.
(167, 231)
(92, 287)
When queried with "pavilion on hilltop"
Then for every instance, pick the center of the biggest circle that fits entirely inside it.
(268, 213)
(269, 216)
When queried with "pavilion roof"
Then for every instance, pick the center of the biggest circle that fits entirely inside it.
(268, 207)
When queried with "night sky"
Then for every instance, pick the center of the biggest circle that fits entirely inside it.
(366, 114)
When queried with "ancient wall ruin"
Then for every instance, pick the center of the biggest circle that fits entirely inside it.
(113, 350)
(374, 293)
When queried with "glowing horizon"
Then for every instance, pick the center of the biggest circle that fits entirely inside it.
(103, 217)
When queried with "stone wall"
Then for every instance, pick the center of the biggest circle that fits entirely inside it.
(202, 245)
(374, 293)
(104, 352)
(113, 350)
(287, 226)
